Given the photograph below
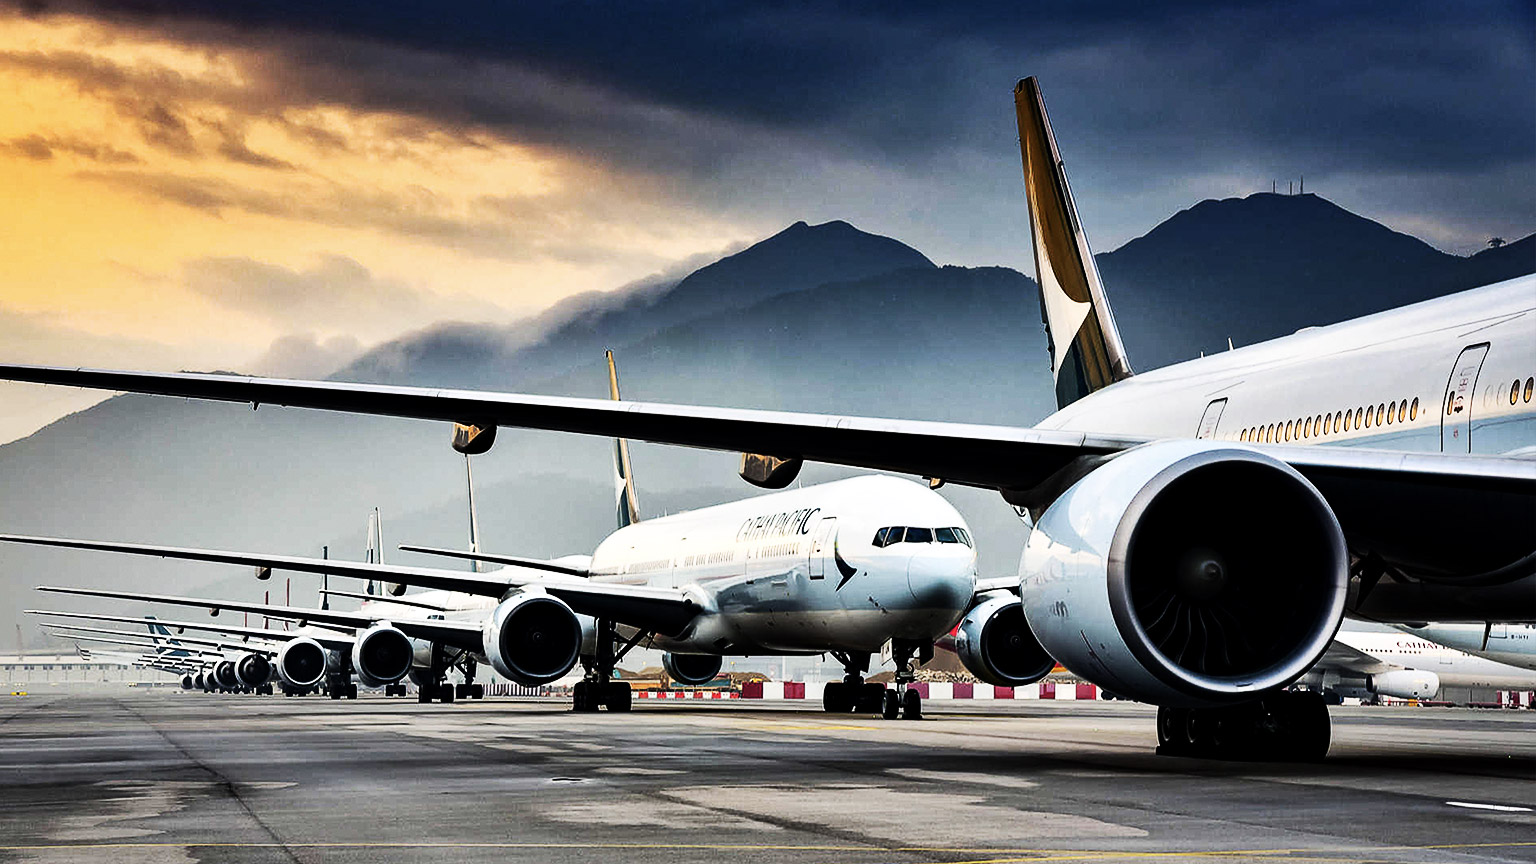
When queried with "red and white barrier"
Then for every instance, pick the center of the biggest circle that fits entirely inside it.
(937, 690)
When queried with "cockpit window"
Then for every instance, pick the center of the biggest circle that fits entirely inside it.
(898, 534)
(945, 535)
(919, 535)
(965, 537)
(884, 537)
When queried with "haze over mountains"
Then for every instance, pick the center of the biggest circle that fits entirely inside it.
(820, 318)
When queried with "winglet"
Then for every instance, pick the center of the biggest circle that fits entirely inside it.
(1086, 351)
(628, 504)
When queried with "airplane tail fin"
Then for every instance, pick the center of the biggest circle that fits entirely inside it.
(474, 515)
(1086, 351)
(628, 505)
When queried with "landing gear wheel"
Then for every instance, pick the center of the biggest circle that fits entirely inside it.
(477, 691)
(1302, 720)
(617, 697)
(351, 691)
(871, 696)
(334, 692)
(890, 707)
(424, 693)
(461, 691)
(911, 705)
(834, 699)
(445, 693)
(584, 697)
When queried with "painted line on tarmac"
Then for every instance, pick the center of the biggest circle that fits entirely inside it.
(1502, 808)
(1350, 854)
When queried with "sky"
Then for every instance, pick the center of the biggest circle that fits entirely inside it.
(274, 187)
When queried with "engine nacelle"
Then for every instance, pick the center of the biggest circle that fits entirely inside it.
(253, 670)
(188, 682)
(381, 655)
(1405, 684)
(691, 669)
(532, 638)
(301, 663)
(224, 676)
(1187, 573)
(995, 643)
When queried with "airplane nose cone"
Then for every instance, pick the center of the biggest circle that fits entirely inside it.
(942, 577)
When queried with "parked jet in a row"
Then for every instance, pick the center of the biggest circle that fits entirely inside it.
(1196, 532)
(1365, 665)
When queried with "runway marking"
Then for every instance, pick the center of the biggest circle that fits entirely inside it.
(1502, 808)
(1320, 854)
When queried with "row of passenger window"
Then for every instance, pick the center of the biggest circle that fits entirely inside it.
(1333, 423)
(889, 536)
(1514, 390)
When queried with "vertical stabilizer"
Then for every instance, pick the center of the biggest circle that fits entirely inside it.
(1086, 351)
(628, 505)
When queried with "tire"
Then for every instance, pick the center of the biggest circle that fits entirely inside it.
(890, 707)
(424, 693)
(1308, 730)
(870, 699)
(477, 691)
(351, 691)
(445, 693)
(461, 691)
(1170, 729)
(617, 696)
(834, 699)
(911, 705)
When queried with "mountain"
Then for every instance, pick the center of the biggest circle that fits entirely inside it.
(799, 257)
(816, 318)
(1268, 265)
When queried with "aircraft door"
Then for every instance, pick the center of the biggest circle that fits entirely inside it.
(821, 546)
(1211, 419)
(1460, 393)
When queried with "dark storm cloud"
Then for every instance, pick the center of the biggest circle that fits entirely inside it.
(720, 97)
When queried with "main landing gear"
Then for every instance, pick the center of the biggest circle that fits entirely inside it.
(439, 690)
(1287, 725)
(341, 687)
(598, 689)
(854, 694)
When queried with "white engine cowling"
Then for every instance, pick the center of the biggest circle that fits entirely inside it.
(1405, 684)
(253, 670)
(691, 669)
(995, 643)
(301, 663)
(1187, 573)
(532, 638)
(381, 655)
(188, 682)
(224, 676)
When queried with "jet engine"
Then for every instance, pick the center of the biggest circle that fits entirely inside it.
(1187, 573)
(253, 670)
(381, 655)
(224, 677)
(691, 669)
(532, 638)
(1405, 684)
(301, 663)
(188, 682)
(996, 645)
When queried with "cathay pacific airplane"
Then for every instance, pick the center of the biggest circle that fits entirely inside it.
(842, 568)
(1404, 666)
(1510, 644)
(1196, 533)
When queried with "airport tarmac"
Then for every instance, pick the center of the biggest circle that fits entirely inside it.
(167, 776)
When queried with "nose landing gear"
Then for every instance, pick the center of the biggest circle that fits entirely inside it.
(853, 694)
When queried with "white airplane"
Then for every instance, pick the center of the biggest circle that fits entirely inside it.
(1509, 644)
(841, 568)
(1196, 532)
(1366, 665)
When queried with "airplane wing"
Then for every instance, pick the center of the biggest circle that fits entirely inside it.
(163, 653)
(1341, 656)
(459, 634)
(180, 642)
(338, 642)
(1387, 502)
(663, 610)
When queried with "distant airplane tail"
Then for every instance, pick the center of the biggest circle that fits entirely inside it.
(628, 506)
(1086, 351)
(164, 641)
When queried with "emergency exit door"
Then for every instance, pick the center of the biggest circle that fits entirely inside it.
(1460, 394)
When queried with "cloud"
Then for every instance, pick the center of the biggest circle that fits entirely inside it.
(335, 296)
(304, 355)
(43, 148)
